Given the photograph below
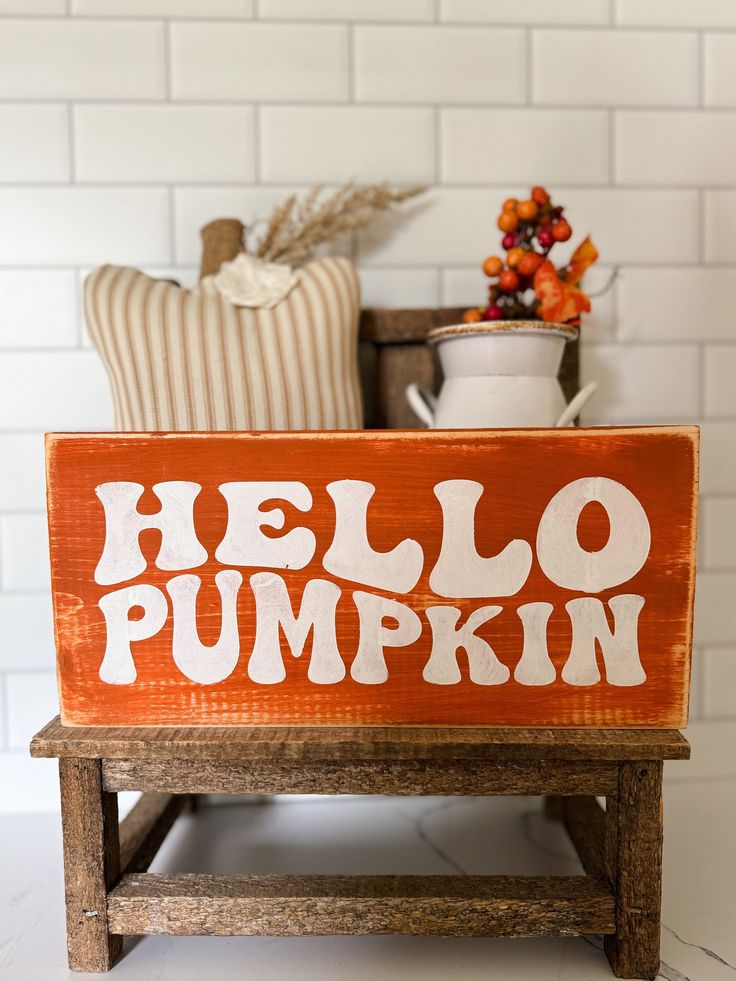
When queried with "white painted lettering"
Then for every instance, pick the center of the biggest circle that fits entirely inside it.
(351, 556)
(121, 557)
(483, 665)
(460, 571)
(244, 542)
(560, 555)
(369, 666)
(317, 613)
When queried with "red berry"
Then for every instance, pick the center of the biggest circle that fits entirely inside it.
(493, 312)
(508, 241)
(546, 238)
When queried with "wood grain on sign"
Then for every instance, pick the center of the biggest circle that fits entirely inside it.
(495, 578)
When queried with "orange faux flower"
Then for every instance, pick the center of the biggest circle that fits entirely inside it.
(583, 257)
(560, 302)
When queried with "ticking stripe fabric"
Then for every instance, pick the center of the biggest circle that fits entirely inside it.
(186, 360)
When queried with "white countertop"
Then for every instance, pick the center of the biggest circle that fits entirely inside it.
(384, 835)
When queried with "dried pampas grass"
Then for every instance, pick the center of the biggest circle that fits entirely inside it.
(298, 227)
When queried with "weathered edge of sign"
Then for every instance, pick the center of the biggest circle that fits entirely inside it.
(446, 437)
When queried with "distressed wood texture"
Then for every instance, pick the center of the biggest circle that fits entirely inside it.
(361, 777)
(91, 864)
(634, 858)
(520, 475)
(302, 743)
(276, 905)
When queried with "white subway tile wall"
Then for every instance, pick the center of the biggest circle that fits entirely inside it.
(298, 144)
(471, 138)
(720, 70)
(439, 64)
(128, 124)
(616, 68)
(35, 143)
(119, 144)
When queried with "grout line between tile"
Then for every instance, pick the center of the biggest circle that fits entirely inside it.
(473, 102)
(78, 314)
(495, 185)
(438, 137)
(417, 22)
(257, 143)
(71, 138)
(611, 139)
(4, 713)
(701, 381)
(351, 63)
(166, 40)
(171, 203)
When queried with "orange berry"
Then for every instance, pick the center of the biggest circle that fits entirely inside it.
(507, 221)
(530, 263)
(514, 256)
(492, 266)
(540, 195)
(527, 210)
(508, 281)
(561, 231)
(471, 316)
(510, 204)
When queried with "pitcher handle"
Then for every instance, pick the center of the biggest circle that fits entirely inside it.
(422, 402)
(576, 404)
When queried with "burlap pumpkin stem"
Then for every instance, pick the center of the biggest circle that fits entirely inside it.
(222, 240)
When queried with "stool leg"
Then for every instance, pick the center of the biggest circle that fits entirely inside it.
(554, 807)
(91, 863)
(634, 857)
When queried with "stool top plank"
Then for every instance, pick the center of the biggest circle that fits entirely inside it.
(356, 743)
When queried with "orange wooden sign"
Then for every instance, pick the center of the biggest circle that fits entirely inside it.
(507, 577)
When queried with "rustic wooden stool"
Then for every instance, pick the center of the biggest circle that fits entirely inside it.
(110, 895)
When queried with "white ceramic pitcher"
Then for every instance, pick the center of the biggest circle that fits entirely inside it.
(497, 375)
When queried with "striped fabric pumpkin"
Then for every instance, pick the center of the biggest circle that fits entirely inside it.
(186, 360)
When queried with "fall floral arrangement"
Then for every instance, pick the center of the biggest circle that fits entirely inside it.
(527, 285)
